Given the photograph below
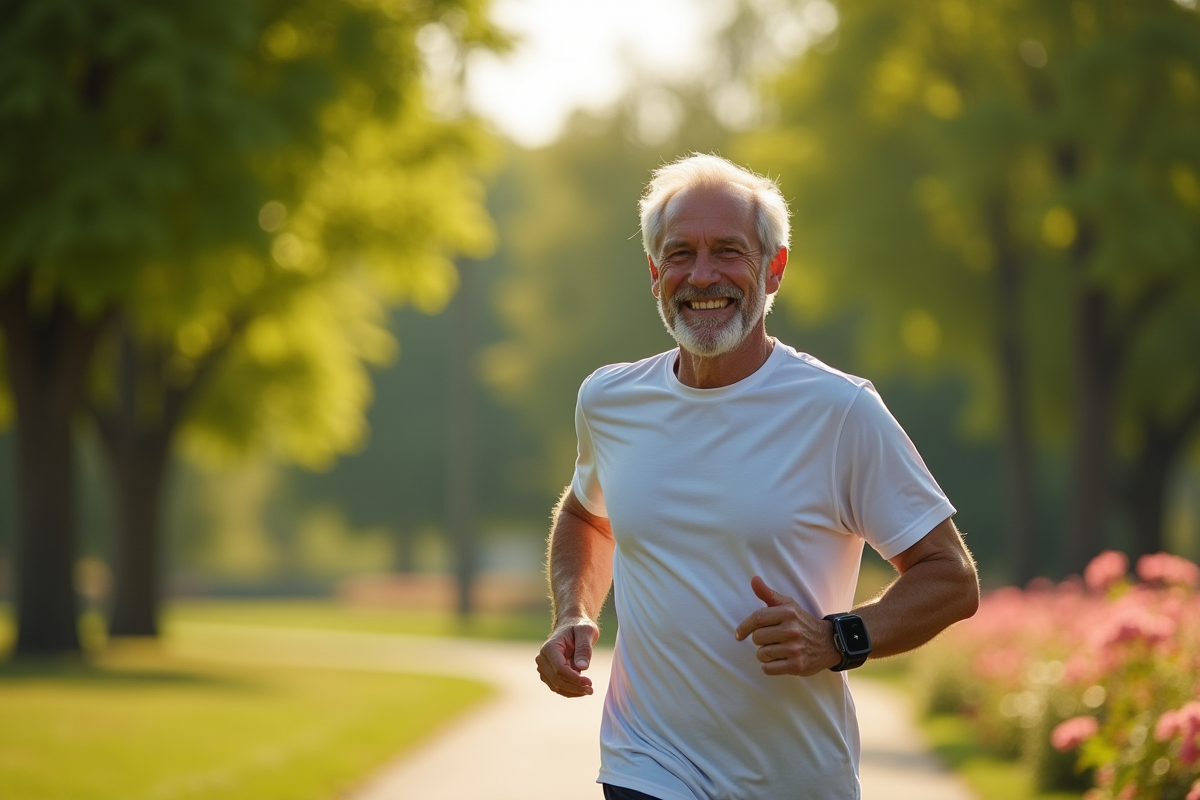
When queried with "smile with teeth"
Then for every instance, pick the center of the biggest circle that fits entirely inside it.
(708, 305)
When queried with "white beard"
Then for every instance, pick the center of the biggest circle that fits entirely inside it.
(713, 339)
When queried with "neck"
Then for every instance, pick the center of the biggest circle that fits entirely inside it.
(713, 372)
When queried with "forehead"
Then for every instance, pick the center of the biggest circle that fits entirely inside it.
(709, 211)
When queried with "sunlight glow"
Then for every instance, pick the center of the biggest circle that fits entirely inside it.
(584, 54)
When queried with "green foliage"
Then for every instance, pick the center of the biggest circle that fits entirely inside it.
(296, 383)
(135, 122)
(247, 188)
(258, 178)
(931, 149)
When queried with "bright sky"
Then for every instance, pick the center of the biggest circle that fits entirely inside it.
(582, 54)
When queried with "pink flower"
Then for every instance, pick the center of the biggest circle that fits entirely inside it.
(1082, 668)
(1105, 569)
(1001, 662)
(1072, 733)
(1168, 726)
(1131, 625)
(1168, 569)
(1184, 722)
(1194, 794)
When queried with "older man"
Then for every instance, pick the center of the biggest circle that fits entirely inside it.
(724, 489)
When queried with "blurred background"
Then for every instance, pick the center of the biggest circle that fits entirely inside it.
(295, 296)
(298, 294)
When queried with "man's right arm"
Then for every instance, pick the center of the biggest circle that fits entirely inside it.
(579, 563)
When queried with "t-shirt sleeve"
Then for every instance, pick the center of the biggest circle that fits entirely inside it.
(586, 482)
(884, 490)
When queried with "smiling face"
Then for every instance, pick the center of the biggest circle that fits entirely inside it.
(710, 279)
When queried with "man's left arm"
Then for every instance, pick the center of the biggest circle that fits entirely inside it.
(937, 586)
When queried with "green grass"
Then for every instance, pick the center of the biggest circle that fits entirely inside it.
(991, 777)
(133, 723)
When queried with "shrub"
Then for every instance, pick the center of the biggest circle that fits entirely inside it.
(1094, 682)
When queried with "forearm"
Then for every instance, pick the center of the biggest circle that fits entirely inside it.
(930, 594)
(579, 562)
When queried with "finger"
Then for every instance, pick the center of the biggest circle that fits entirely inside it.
(569, 685)
(563, 674)
(565, 688)
(564, 681)
(778, 666)
(771, 634)
(761, 618)
(767, 594)
(583, 647)
(775, 652)
(555, 668)
(554, 656)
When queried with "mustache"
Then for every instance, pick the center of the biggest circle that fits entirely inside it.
(688, 293)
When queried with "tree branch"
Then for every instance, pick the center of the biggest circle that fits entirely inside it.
(176, 398)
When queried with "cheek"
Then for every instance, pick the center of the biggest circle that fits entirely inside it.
(667, 284)
(754, 274)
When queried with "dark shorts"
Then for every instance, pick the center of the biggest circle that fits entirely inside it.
(621, 793)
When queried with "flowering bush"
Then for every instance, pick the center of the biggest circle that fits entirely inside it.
(1094, 683)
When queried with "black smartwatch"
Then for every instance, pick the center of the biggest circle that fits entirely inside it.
(851, 639)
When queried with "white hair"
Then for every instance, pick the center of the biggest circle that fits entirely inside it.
(699, 169)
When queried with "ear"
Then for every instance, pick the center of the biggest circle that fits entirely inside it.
(653, 276)
(775, 270)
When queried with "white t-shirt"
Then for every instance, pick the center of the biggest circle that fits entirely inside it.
(784, 474)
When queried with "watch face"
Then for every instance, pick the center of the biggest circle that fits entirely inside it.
(854, 636)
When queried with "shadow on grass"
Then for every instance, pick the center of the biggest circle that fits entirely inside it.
(80, 670)
(957, 753)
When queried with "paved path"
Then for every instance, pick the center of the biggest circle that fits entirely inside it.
(528, 743)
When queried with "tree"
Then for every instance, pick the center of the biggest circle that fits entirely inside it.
(163, 149)
(1004, 187)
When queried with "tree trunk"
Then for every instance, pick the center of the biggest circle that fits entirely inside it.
(1094, 379)
(136, 436)
(136, 454)
(138, 471)
(1094, 371)
(49, 348)
(461, 462)
(1021, 516)
(1146, 494)
(47, 607)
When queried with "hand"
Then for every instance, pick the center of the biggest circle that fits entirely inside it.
(564, 657)
(790, 640)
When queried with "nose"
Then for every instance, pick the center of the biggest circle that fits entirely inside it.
(705, 272)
